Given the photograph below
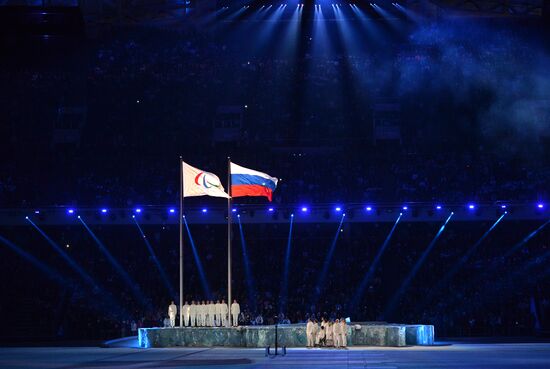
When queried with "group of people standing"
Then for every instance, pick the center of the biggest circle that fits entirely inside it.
(327, 334)
(205, 313)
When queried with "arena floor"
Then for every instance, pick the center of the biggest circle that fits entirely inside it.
(460, 355)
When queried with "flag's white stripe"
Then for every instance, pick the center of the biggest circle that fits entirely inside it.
(237, 169)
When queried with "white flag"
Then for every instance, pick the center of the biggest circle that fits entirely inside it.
(197, 182)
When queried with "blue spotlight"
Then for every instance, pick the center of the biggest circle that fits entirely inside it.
(270, 210)
(118, 267)
(304, 209)
(338, 209)
(326, 264)
(234, 210)
(454, 270)
(405, 207)
(471, 206)
(37, 211)
(238, 215)
(161, 270)
(251, 289)
(70, 211)
(361, 289)
(292, 215)
(104, 211)
(138, 210)
(407, 281)
(172, 210)
(503, 206)
(27, 218)
(540, 205)
(204, 210)
(202, 274)
(284, 282)
(369, 208)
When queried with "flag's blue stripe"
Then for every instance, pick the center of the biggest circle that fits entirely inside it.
(249, 179)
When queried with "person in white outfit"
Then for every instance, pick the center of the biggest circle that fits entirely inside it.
(172, 312)
(309, 333)
(336, 333)
(218, 313)
(224, 313)
(193, 314)
(212, 313)
(207, 314)
(329, 335)
(186, 313)
(235, 311)
(202, 312)
(320, 338)
(343, 333)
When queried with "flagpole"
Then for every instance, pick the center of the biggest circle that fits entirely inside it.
(181, 242)
(229, 323)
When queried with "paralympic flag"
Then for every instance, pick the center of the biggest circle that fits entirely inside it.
(197, 182)
(248, 182)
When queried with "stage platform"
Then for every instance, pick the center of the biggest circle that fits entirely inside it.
(289, 335)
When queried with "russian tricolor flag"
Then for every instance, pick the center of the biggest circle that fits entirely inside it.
(248, 182)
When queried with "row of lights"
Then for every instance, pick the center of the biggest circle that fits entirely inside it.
(303, 209)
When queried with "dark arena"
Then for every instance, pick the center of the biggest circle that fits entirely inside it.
(275, 183)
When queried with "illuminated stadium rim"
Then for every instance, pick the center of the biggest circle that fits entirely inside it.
(303, 208)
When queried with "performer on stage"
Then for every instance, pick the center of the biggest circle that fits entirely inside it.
(343, 333)
(235, 311)
(207, 314)
(225, 311)
(211, 313)
(329, 334)
(186, 313)
(336, 333)
(320, 339)
(172, 312)
(193, 314)
(309, 333)
(218, 313)
(202, 314)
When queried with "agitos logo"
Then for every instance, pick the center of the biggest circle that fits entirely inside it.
(208, 180)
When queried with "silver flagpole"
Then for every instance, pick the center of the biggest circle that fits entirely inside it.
(229, 323)
(181, 243)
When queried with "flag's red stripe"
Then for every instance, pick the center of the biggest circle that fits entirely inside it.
(251, 190)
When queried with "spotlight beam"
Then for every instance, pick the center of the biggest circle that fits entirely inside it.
(397, 296)
(94, 286)
(48, 271)
(247, 269)
(361, 289)
(499, 287)
(120, 270)
(284, 282)
(85, 276)
(520, 244)
(163, 275)
(463, 260)
(326, 264)
(204, 281)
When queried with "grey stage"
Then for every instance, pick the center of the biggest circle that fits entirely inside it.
(463, 356)
(289, 335)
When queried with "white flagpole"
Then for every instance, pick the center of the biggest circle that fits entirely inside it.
(181, 242)
(229, 301)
